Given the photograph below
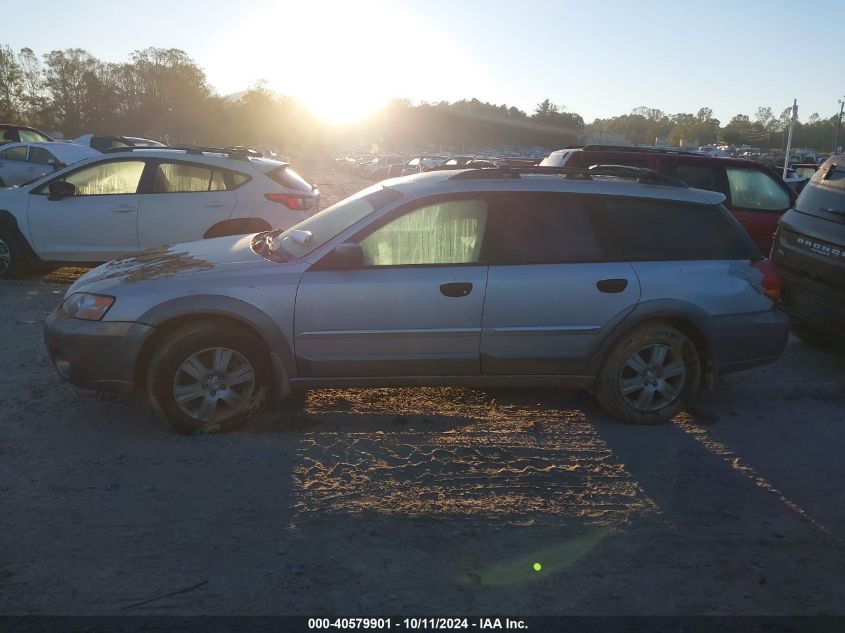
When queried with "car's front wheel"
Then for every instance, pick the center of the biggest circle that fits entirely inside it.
(209, 378)
(649, 374)
(12, 255)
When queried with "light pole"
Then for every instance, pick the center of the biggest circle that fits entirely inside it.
(841, 103)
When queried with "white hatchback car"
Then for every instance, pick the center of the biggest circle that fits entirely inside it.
(21, 163)
(129, 200)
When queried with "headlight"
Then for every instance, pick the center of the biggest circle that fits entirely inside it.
(90, 307)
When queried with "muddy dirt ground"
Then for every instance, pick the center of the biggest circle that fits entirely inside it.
(419, 501)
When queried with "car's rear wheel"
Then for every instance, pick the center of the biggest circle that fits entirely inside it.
(12, 254)
(649, 374)
(209, 378)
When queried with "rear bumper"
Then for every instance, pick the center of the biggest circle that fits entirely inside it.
(814, 304)
(98, 355)
(743, 341)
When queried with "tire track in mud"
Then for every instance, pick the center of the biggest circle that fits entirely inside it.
(505, 459)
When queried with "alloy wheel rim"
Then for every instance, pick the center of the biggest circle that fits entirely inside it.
(5, 256)
(652, 377)
(214, 384)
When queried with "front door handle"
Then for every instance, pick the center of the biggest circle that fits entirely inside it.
(123, 208)
(612, 285)
(459, 289)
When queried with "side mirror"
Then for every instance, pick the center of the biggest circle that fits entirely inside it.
(60, 189)
(347, 256)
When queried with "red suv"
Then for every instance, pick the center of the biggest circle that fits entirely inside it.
(755, 195)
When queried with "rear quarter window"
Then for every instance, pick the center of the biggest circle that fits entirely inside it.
(658, 230)
(287, 177)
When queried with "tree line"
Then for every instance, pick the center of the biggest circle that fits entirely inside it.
(164, 94)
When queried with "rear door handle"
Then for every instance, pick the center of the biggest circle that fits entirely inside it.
(612, 285)
(459, 289)
(214, 204)
(123, 208)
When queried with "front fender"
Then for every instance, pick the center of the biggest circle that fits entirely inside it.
(230, 307)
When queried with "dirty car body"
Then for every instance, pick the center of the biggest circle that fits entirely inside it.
(366, 294)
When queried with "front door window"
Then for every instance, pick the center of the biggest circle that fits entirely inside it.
(111, 178)
(448, 232)
(755, 189)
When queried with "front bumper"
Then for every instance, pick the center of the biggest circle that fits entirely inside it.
(98, 355)
(743, 341)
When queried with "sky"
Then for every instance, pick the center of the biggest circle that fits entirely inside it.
(598, 59)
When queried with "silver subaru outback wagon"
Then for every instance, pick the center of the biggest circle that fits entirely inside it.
(618, 281)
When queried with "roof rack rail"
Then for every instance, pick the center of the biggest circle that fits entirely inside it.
(235, 152)
(638, 174)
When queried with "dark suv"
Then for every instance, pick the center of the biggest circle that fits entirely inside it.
(809, 252)
(755, 194)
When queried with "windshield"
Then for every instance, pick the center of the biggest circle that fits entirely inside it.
(312, 233)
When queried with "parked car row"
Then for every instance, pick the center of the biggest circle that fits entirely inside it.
(27, 153)
(379, 167)
(134, 198)
(21, 163)
(635, 273)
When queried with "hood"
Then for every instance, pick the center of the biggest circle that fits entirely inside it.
(174, 259)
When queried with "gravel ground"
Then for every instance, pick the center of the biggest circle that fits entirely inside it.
(419, 501)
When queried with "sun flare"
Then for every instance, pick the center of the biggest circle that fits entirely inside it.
(346, 60)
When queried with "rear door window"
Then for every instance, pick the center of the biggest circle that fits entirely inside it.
(187, 178)
(545, 228)
(658, 230)
(40, 155)
(756, 189)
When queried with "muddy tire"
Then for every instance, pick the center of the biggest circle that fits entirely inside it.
(12, 254)
(649, 375)
(209, 378)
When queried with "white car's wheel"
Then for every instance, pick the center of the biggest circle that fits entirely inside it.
(12, 254)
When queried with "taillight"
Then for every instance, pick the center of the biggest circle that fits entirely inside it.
(291, 201)
(771, 279)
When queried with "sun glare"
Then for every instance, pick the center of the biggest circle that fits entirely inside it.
(344, 60)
